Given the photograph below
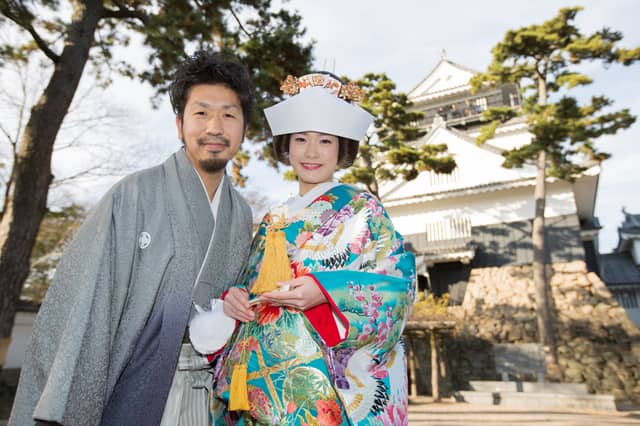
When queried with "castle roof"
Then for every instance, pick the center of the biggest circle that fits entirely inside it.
(446, 79)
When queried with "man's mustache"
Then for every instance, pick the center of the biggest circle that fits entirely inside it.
(214, 139)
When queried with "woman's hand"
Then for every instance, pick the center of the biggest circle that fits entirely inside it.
(236, 305)
(301, 293)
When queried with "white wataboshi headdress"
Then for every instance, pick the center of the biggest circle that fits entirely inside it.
(320, 103)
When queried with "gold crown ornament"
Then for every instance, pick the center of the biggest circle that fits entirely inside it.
(349, 91)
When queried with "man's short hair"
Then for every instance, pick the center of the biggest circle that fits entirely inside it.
(206, 67)
(347, 150)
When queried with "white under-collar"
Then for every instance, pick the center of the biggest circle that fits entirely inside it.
(215, 202)
(298, 202)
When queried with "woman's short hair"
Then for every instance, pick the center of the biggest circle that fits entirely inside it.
(347, 150)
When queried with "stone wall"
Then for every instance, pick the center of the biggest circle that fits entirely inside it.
(597, 343)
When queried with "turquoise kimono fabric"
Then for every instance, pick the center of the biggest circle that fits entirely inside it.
(346, 241)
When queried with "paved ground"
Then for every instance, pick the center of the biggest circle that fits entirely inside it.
(460, 414)
(427, 413)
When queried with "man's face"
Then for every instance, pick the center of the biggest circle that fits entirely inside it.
(212, 127)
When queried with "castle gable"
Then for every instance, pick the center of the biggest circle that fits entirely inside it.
(446, 78)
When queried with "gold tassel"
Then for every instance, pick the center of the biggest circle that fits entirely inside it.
(275, 262)
(238, 394)
(275, 268)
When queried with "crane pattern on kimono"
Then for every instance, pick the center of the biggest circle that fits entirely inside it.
(333, 249)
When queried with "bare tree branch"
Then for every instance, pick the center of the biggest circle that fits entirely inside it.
(244, 30)
(6, 133)
(78, 141)
(82, 129)
(23, 105)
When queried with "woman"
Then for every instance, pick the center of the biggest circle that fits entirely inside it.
(330, 285)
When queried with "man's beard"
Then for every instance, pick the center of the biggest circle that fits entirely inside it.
(213, 165)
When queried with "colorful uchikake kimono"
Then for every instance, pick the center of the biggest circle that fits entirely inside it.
(342, 362)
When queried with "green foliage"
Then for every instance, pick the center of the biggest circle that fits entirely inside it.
(500, 113)
(290, 175)
(494, 116)
(55, 233)
(240, 160)
(539, 58)
(388, 152)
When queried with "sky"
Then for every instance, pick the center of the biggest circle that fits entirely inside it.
(405, 39)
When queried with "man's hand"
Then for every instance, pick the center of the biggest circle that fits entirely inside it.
(236, 305)
(301, 293)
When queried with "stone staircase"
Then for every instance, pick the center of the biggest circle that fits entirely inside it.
(535, 396)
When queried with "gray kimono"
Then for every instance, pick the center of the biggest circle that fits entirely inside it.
(107, 337)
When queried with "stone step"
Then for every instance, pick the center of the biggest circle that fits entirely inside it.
(512, 386)
(539, 400)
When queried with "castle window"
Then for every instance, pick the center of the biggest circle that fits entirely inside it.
(481, 104)
(514, 99)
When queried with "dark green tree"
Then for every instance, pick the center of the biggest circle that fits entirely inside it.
(74, 34)
(389, 151)
(542, 59)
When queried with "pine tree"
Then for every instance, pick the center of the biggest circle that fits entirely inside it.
(389, 150)
(542, 59)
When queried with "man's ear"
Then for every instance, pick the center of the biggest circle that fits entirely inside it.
(179, 123)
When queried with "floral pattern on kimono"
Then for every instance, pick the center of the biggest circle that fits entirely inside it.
(345, 364)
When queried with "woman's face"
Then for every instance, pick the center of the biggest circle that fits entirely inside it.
(314, 157)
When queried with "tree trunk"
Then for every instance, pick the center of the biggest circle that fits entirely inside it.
(541, 283)
(544, 302)
(27, 202)
(540, 280)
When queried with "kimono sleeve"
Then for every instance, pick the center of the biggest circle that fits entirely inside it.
(65, 372)
(375, 301)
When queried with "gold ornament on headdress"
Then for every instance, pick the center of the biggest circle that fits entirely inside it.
(351, 92)
(318, 79)
(290, 85)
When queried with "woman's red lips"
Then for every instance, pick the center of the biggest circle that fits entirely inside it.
(311, 166)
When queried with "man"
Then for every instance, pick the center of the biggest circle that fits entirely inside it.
(109, 334)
